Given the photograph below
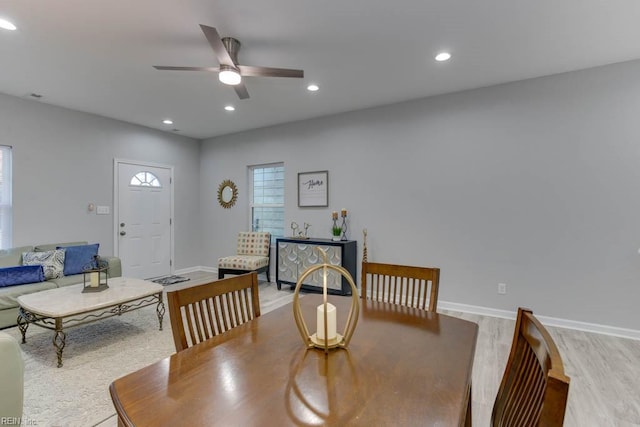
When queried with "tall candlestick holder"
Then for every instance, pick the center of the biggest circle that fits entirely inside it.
(344, 224)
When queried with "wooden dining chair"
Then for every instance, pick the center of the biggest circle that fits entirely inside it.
(401, 284)
(534, 387)
(201, 312)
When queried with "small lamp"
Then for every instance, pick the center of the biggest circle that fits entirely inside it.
(326, 336)
(95, 276)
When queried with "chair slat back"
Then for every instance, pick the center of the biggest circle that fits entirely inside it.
(401, 284)
(201, 312)
(534, 387)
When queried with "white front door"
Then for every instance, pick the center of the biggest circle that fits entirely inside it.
(143, 219)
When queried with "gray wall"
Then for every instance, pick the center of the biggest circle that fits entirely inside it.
(533, 184)
(63, 160)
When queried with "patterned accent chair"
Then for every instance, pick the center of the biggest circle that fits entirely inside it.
(253, 254)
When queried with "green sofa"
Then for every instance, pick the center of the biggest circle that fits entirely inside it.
(9, 294)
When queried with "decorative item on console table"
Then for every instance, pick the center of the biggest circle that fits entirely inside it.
(336, 231)
(95, 276)
(344, 224)
(296, 233)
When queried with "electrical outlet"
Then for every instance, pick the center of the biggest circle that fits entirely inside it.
(502, 288)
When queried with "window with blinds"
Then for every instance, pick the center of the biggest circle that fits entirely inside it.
(6, 227)
(267, 198)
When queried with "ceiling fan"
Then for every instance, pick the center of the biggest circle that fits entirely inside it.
(229, 71)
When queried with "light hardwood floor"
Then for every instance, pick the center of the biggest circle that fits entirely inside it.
(604, 370)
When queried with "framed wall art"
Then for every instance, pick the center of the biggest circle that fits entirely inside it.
(313, 189)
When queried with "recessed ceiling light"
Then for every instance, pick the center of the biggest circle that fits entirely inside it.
(7, 25)
(313, 88)
(443, 56)
(230, 108)
(167, 121)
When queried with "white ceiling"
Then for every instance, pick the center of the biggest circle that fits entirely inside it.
(97, 56)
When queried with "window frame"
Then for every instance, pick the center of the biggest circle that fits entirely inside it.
(6, 197)
(252, 205)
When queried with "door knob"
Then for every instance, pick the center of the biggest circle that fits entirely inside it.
(122, 224)
(122, 233)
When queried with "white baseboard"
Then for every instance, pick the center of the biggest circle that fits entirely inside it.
(546, 320)
(476, 309)
(196, 268)
(591, 327)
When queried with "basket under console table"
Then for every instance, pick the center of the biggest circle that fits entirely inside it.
(294, 256)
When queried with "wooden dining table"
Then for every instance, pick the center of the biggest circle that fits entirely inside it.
(403, 367)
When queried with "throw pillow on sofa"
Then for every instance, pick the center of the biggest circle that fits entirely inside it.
(52, 262)
(79, 258)
(20, 275)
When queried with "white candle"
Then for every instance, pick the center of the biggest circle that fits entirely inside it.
(95, 279)
(331, 322)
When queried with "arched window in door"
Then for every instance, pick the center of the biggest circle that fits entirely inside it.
(145, 179)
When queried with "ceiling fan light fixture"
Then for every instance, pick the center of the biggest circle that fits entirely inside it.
(229, 75)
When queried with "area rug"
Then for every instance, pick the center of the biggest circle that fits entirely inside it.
(77, 394)
(171, 280)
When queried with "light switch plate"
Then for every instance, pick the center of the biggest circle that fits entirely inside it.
(102, 210)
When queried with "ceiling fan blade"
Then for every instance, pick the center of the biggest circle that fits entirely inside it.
(172, 68)
(241, 90)
(218, 47)
(249, 71)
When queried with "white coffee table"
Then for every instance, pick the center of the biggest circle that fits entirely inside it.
(66, 307)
